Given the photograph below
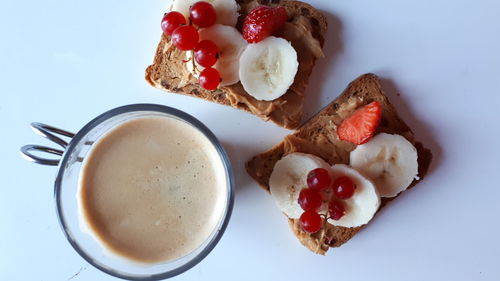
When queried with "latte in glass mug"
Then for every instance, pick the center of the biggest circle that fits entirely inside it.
(152, 190)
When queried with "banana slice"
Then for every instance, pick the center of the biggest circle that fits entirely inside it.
(227, 10)
(289, 177)
(268, 68)
(363, 205)
(390, 161)
(230, 44)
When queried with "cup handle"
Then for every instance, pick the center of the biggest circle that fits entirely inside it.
(48, 132)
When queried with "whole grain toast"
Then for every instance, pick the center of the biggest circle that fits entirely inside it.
(305, 30)
(318, 136)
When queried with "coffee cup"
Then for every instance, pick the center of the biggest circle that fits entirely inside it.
(142, 192)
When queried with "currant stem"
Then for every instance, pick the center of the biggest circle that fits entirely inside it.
(323, 230)
(193, 62)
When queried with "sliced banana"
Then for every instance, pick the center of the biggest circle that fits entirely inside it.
(288, 178)
(268, 68)
(230, 44)
(363, 205)
(226, 10)
(390, 161)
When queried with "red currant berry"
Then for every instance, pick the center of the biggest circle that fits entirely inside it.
(310, 221)
(205, 53)
(202, 14)
(171, 21)
(209, 78)
(319, 179)
(185, 37)
(343, 187)
(336, 210)
(310, 199)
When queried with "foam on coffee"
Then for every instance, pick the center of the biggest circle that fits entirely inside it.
(152, 189)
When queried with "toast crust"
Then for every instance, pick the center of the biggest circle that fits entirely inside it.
(318, 136)
(305, 30)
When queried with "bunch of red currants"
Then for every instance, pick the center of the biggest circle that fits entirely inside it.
(311, 199)
(185, 37)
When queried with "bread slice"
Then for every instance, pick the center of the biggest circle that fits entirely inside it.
(318, 136)
(305, 30)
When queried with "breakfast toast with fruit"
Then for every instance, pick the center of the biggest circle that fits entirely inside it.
(342, 166)
(254, 55)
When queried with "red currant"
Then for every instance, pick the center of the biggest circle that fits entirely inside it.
(343, 187)
(205, 53)
(310, 221)
(336, 210)
(209, 78)
(171, 21)
(310, 199)
(202, 14)
(319, 179)
(185, 37)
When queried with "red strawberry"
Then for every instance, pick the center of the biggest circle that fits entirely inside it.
(360, 126)
(262, 22)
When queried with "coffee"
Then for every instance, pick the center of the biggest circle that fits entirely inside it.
(152, 189)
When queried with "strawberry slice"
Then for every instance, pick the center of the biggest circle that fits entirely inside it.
(360, 126)
(262, 22)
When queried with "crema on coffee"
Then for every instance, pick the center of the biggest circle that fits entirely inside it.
(152, 189)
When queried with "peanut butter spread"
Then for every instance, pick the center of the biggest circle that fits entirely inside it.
(304, 30)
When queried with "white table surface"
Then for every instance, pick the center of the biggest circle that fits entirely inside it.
(64, 62)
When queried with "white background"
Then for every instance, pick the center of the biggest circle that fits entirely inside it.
(64, 62)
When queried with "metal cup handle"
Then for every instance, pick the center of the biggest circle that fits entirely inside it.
(48, 132)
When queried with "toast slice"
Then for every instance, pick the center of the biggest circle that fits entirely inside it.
(305, 29)
(318, 136)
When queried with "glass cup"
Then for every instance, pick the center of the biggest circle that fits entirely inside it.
(66, 188)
